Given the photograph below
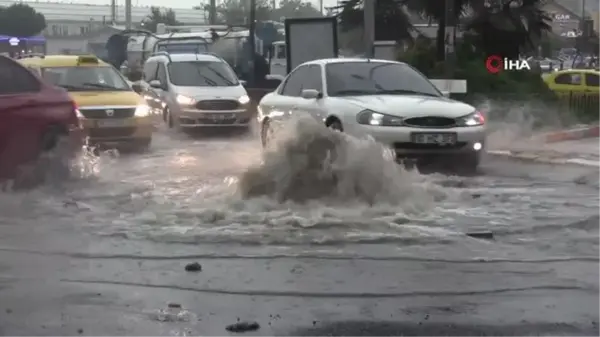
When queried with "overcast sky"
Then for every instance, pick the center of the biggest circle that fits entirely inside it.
(178, 3)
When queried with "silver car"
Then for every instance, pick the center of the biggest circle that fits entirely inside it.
(196, 90)
(390, 101)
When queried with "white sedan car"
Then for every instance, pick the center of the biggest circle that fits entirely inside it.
(390, 101)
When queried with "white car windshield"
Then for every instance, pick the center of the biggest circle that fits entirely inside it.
(86, 78)
(374, 78)
(202, 74)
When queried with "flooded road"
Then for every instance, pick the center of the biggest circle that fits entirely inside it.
(106, 254)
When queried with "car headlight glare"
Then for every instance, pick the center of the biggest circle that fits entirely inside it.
(78, 113)
(474, 119)
(368, 117)
(185, 100)
(244, 99)
(142, 110)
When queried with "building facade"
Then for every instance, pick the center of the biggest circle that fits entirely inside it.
(71, 28)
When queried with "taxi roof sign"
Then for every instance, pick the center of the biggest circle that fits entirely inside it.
(87, 59)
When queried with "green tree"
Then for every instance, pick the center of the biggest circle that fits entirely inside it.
(237, 12)
(391, 23)
(21, 20)
(295, 9)
(509, 27)
(157, 16)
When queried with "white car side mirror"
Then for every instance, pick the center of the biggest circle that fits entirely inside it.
(155, 84)
(311, 94)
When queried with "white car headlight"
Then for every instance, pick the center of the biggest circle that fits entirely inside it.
(368, 117)
(474, 119)
(185, 100)
(244, 99)
(142, 110)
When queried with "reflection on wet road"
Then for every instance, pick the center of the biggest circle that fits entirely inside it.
(105, 254)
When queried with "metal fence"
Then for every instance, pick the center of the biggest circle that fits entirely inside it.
(568, 108)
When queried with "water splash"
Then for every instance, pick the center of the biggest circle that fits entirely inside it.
(312, 162)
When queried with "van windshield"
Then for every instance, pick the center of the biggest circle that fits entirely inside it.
(202, 74)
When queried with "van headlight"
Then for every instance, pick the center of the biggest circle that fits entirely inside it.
(185, 100)
(368, 117)
(244, 99)
(142, 110)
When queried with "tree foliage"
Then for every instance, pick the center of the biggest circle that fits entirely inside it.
(21, 20)
(157, 16)
(237, 12)
(504, 27)
(391, 23)
(295, 9)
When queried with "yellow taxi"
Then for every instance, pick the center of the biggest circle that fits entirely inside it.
(111, 112)
(573, 80)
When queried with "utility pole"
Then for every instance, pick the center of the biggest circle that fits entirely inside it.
(113, 12)
(128, 14)
(321, 7)
(252, 42)
(212, 12)
(369, 26)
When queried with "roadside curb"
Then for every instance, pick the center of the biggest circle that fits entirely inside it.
(545, 159)
(572, 134)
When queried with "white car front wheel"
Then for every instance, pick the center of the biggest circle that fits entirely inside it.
(335, 124)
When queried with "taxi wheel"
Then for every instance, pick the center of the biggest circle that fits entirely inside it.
(144, 145)
(169, 118)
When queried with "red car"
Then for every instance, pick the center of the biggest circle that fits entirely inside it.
(34, 116)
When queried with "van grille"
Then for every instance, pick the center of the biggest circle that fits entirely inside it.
(217, 105)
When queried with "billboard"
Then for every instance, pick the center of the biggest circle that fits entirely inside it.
(308, 39)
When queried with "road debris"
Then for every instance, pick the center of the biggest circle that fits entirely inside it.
(243, 327)
(194, 266)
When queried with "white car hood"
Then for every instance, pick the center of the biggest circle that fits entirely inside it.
(411, 105)
(212, 92)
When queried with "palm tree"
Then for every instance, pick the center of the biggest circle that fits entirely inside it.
(508, 27)
(500, 26)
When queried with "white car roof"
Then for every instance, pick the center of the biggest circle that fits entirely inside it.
(187, 57)
(348, 60)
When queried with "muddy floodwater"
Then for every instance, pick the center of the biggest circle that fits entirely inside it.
(301, 241)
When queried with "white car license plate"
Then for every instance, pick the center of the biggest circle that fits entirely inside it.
(434, 138)
(111, 123)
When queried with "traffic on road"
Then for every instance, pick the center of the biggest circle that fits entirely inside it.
(187, 209)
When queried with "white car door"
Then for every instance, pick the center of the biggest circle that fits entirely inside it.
(289, 98)
(313, 79)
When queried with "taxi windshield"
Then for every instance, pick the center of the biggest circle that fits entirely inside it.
(86, 78)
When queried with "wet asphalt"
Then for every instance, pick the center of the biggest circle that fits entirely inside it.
(107, 255)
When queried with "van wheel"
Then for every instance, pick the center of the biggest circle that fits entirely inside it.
(169, 118)
(266, 134)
